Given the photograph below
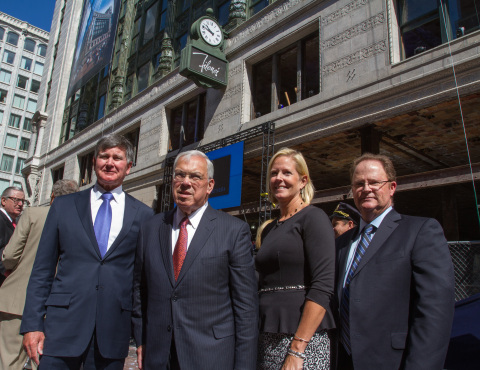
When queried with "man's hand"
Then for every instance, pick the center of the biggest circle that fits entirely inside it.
(33, 344)
(140, 353)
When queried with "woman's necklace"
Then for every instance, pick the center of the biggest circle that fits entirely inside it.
(287, 216)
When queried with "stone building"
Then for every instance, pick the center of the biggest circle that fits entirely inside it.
(22, 52)
(337, 78)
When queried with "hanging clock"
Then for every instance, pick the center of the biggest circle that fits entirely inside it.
(210, 31)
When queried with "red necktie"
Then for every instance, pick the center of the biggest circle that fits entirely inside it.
(14, 224)
(180, 250)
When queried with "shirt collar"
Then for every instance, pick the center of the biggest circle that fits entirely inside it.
(377, 221)
(193, 219)
(6, 214)
(98, 191)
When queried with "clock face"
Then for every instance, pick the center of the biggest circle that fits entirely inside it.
(211, 32)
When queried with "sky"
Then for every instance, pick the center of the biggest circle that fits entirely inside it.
(38, 13)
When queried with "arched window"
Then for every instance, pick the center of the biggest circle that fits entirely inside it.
(29, 45)
(12, 38)
(42, 50)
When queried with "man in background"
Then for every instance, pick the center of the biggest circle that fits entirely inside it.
(79, 297)
(13, 200)
(17, 258)
(344, 218)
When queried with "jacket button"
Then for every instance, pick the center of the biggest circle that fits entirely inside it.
(169, 328)
(174, 298)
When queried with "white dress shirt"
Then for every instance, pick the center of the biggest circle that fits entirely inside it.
(351, 254)
(118, 209)
(193, 221)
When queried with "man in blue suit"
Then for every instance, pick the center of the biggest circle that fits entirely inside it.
(395, 283)
(79, 297)
(195, 291)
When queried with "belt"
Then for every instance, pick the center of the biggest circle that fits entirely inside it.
(283, 288)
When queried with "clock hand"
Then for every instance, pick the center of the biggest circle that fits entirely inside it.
(208, 29)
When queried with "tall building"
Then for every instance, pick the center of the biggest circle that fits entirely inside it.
(22, 50)
(330, 78)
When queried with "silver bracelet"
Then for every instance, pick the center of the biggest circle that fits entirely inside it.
(297, 354)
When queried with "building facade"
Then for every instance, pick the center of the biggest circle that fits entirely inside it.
(22, 50)
(337, 78)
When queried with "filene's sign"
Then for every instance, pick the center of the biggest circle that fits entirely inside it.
(208, 65)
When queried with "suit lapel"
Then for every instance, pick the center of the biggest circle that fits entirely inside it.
(205, 228)
(343, 259)
(84, 210)
(388, 225)
(165, 239)
(129, 214)
(7, 221)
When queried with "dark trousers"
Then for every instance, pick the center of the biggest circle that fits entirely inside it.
(344, 360)
(91, 359)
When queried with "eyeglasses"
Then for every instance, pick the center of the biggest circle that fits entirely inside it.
(374, 185)
(181, 176)
(19, 200)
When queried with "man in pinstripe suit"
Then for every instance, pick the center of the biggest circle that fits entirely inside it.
(195, 292)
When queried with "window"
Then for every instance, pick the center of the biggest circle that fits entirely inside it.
(12, 38)
(3, 96)
(42, 50)
(14, 121)
(35, 86)
(24, 144)
(86, 169)
(142, 77)
(20, 164)
(150, 23)
(26, 63)
(1, 117)
(22, 82)
(27, 124)
(128, 87)
(8, 56)
(11, 141)
(2, 32)
(163, 16)
(3, 185)
(276, 79)
(101, 107)
(18, 101)
(425, 24)
(31, 105)
(187, 123)
(5, 76)
(257, 5)
(223, 12)
(133, 137)
(7, 163)
(29, 45)
(58, 174)
(38, 68)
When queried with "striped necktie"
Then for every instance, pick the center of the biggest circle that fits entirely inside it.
(362, 246)
(180, 251)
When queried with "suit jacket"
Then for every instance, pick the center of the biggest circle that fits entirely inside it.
(18, 257)
(211, 310)
(73, 290)
(6, 231)
(401, 295)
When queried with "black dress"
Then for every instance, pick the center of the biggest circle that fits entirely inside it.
(295, 262)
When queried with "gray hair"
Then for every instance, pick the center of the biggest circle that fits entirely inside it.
(64, 187)
(8, 191)
(195, 153)
(115, 141)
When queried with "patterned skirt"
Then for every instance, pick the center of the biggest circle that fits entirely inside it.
(272, 351)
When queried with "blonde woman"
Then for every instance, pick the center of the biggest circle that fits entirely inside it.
(296, 267)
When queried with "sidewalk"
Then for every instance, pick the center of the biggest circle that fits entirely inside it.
(131, 360)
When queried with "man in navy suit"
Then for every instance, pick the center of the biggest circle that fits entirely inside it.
(395, 282)
(195, 291)
(79, 297)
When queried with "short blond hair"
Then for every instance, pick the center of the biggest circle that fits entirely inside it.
(302, 169)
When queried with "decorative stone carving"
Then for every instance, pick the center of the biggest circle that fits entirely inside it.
(117, 95)
(166, 59)
(237, 14)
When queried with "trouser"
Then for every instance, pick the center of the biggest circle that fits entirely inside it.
(12, 354)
